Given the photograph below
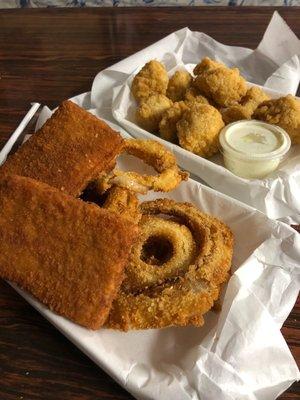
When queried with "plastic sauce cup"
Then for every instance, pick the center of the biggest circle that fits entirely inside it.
(253, 149)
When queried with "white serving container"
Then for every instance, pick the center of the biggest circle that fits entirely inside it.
(274, 64)
(240, 352)
(275, 195)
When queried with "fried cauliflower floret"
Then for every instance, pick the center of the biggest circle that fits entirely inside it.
(284, 112)
(198, 130)
(178, 85)
(167, 125)
(193, 94)
(207, 64)
(152, 78)
(223, 85)
(246, 107)
(150, 111)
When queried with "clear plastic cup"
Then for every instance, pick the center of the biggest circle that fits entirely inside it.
(253, 149)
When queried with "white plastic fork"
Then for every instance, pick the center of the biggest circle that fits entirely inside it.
(16, 134)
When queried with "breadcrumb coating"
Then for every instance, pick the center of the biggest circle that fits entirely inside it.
(152, 78)
(284, 112)
(71, 149)
(192, 94)
(181, 296)
(178, 84)
(207, 64)
(246, 107)
(67, 253)
(167, 125)
(150, 111)
(223, 85)
(198, 130)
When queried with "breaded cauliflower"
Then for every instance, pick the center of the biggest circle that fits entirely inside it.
(167, 125)
(178, 85)
(284, 112)
(193, 94)
(151, 79)
(207, 64)
(150, 111)
(198, 130)
(223, 85)
(246, 107)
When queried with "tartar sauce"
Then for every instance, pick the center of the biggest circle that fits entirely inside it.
(253, 149)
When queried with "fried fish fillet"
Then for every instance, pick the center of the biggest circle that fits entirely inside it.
(67, 253)
(71, 149)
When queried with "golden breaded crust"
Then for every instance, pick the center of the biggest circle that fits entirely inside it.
(198, 129)
(123, 202)
(151, 79)
(246, 107)
(284, 112)
(71, 149)
(167, 125)
(225, 86)
(207, 64)
(178, 84)
(150, 111)
(69, 254)
(179, 297)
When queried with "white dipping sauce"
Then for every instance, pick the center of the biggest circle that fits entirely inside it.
(253, 149)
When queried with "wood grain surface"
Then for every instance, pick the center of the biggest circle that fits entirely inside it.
(47, 55)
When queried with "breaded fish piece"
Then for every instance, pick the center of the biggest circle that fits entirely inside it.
(71, 149)
(67, 253)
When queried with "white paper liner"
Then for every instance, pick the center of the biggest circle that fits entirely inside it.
(274, 64)
(240, 352)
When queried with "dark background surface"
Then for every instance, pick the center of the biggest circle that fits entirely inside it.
(47, 55)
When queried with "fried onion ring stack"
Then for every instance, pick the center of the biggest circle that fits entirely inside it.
(175, 269)
(181, 257)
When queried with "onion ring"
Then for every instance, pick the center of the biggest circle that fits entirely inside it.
(177, 296)
(154, 154)
(123, 202)
(173, 241)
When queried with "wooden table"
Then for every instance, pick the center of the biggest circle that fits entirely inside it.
(48, 55)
